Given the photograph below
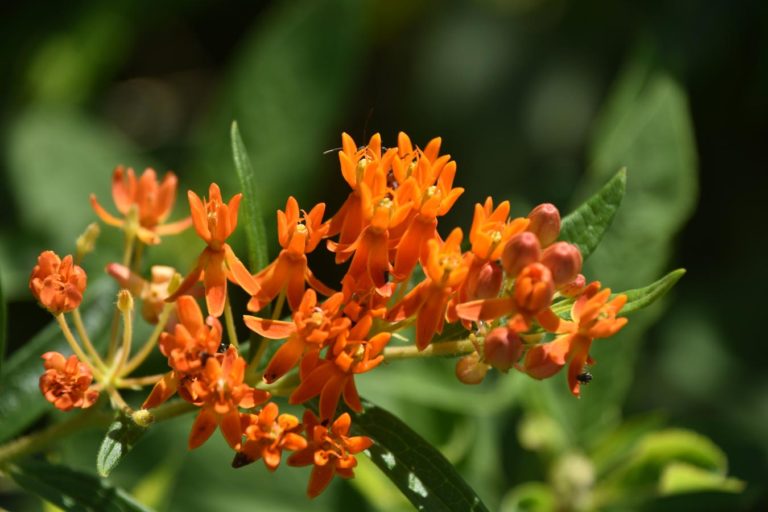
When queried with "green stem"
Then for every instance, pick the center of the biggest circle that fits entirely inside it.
(230, 322)
(80, 328)
(76, 346)
(254, 364)
(146, 350)
(38, 440)
(441, 349)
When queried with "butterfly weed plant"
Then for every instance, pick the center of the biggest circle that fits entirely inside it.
(510, 284)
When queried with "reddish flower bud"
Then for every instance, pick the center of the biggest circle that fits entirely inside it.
(534, 288)
(57, 284)
(488, 282)
(470, 370)
(521, 250)
(545, 223)
(564, 261)
(66, 382)
(575, 287)
(503, 347)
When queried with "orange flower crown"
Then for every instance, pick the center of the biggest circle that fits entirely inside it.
(503, 283)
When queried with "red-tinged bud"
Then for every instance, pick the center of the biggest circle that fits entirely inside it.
(488, 281)
(564, 261)
(521, 250)
(534, 288)
(470, 370)
(545, 223)
(575, 287)
(503, 348)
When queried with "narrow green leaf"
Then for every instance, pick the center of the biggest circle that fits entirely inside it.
(680, 477)
(255, 229)
(3, 326)
(21, 402)
(73, 490)
(586, 225)
(417, 468)
(640, 298)
(121, 437)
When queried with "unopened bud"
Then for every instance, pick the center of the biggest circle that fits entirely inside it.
(503, 348)
(545, 223)
(488, 282)
(534, 288)
(564, 261)
(470, 370)
(142, 417)
(575, 287)
(87, 240)
(521, 250)
(124, 301)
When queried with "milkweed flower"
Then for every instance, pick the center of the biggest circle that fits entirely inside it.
(267, 435)
(334, 377)
(299, 233)
(331, 450)
(219, 391)
(214, 222)
(58, 284)
(312, 328)
(153, 201)
(152, 293)
(594, 316)
(66, 382)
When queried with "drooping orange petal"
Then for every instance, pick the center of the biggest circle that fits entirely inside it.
(104, 215)
(203, 427)
(191, 279)
(271, 329)
(215, 280)
(319, 479)
(230, 429)
(286, 357)
(163, 390)
(329, 397)
(486, 309)
(239, 273)
(174, 228)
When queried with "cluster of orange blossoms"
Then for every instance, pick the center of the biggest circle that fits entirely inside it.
(502, 289)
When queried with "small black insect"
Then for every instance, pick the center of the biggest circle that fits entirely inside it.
(584, 377)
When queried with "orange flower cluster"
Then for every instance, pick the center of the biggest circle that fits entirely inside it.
(57, 284)
(505, 287)
(66, 382)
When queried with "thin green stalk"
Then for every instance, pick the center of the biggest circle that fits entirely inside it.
(86, 340)
(146, 350)
(230, 322)
(75, 346)
(441, 349)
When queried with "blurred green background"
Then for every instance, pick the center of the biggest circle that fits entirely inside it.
(537, 100)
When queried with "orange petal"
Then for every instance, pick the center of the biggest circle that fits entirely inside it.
(240, 274)
(199, 216)
(104, 215)
(271, 329)
(204, 425)
(486, 309)
(163, 390)
(230, 429)
(191, 279)
(174, 228)
(329, 397)
(319, 479)
(286, 357)
(215, 280)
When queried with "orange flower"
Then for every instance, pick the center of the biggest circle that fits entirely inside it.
(153, 202)
(427, 183)
(299, 233)
(351, 353)
(594, 316)
(66, 382)
(192, 342)
(214, 221)
(220, 390)
(153, 293)
(267, 435)
(446, 270)
(491, 229)
(57, 284)
(365, 170)
(331, 451)
(311, 329)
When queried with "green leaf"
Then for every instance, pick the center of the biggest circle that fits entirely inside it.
(680, 477)
(121, 436)
(73, 490)
(416, 467)
(586, 225)
(642, 297)
(21, 402)
(530, 497)
(657, 450)
(255, 229)
(3, 325)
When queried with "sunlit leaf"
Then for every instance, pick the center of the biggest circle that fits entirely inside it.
(680, 477)
(120, 438)
(255, 230)
(73, 490)
(643, 297)
(418, 469)
(586, 225)
(21, 402)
